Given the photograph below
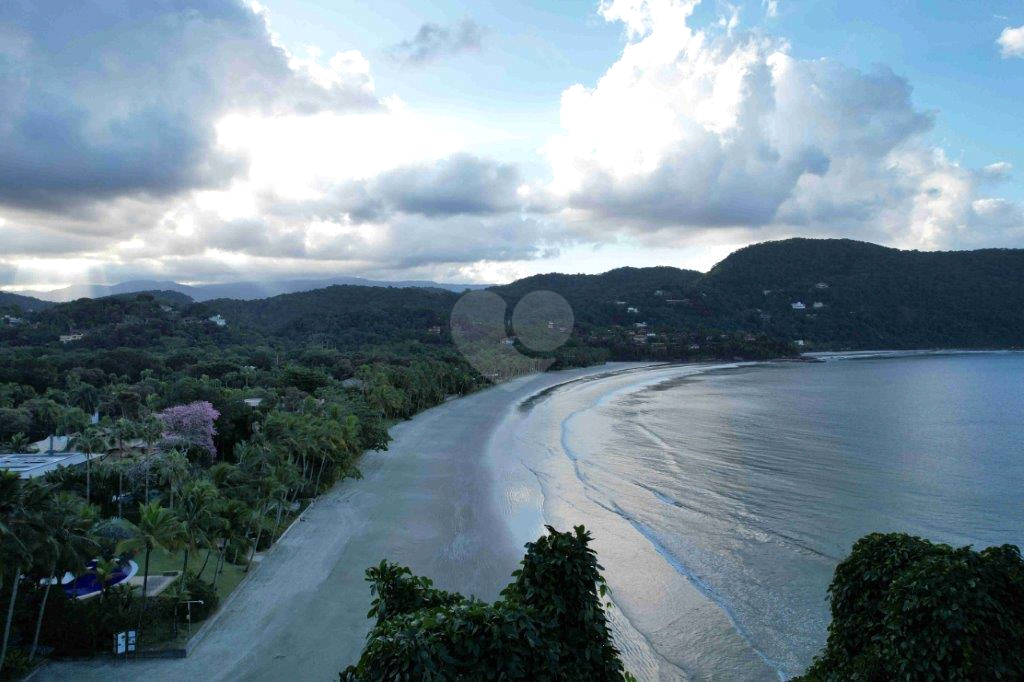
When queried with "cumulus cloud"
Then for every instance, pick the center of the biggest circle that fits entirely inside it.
(1011, 42)
(101, 100)
(692, 130)
(142, 141)
(434, 41)
(998, 171)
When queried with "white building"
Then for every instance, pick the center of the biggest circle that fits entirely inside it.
(219, 321)
(797, 305)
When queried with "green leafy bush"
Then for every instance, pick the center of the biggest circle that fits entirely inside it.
(905, 608)
(549, 624)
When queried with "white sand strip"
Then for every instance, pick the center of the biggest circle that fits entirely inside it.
(428, 502)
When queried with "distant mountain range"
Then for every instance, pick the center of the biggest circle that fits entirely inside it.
(826, 293)
(22, 302)
(244, 291)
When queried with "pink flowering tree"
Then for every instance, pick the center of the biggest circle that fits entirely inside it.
(191, 425)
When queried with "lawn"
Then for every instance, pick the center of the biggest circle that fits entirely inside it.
(162, 561)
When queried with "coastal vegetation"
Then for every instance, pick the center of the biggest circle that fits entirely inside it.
(548, 625)
(904, 608)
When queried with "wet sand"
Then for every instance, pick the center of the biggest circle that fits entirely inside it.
(428, 502)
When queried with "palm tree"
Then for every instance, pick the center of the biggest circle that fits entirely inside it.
(157, 528)
(150, 430)
(172, 470)
(90, 441)
(196, 512)
(122, 430)
(20, 443)
(69, 522)
(235, 515)
(22, 528)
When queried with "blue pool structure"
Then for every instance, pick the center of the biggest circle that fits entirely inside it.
(88, 584)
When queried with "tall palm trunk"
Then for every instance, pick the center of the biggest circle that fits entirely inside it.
(256, 544)
(145, 587)
(10, 615)
(205, 561)
(220, 561)
(184, 575)
(323, 463)
(181, 588)
(42, 610)
(277, 524)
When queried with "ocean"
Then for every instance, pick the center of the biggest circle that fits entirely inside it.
(722, 497)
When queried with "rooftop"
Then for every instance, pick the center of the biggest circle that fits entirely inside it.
(33, 465)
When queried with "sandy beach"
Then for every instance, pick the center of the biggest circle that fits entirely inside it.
(428, 502)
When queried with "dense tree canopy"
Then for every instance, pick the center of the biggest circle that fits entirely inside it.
(904, 608)
(549, 625)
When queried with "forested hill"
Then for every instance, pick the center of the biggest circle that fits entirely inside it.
(343, 316)
(830, 293)
(869, 296)
(14, 303)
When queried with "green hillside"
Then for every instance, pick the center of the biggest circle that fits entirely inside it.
(13, 303)
(869, 296)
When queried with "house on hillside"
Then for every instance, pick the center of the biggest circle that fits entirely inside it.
(68, 338)
(633, 310)
(818, 305)
(798, 305)
(218, 320)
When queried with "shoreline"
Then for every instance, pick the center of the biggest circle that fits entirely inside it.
(448, 501)
(427, 502)
(537, 483)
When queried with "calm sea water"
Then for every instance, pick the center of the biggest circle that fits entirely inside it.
(751, 483)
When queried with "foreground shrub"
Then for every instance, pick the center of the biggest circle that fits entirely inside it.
(549, 624)
(905, 608)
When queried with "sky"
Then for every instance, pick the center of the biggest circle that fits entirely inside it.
(220, 140)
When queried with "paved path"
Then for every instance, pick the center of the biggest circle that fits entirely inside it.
(426, 503)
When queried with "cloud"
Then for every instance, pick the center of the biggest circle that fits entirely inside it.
(699, 130)
(433, 42)
(998, 171)
(1011, 42)
(461, 184)
(110, 99)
